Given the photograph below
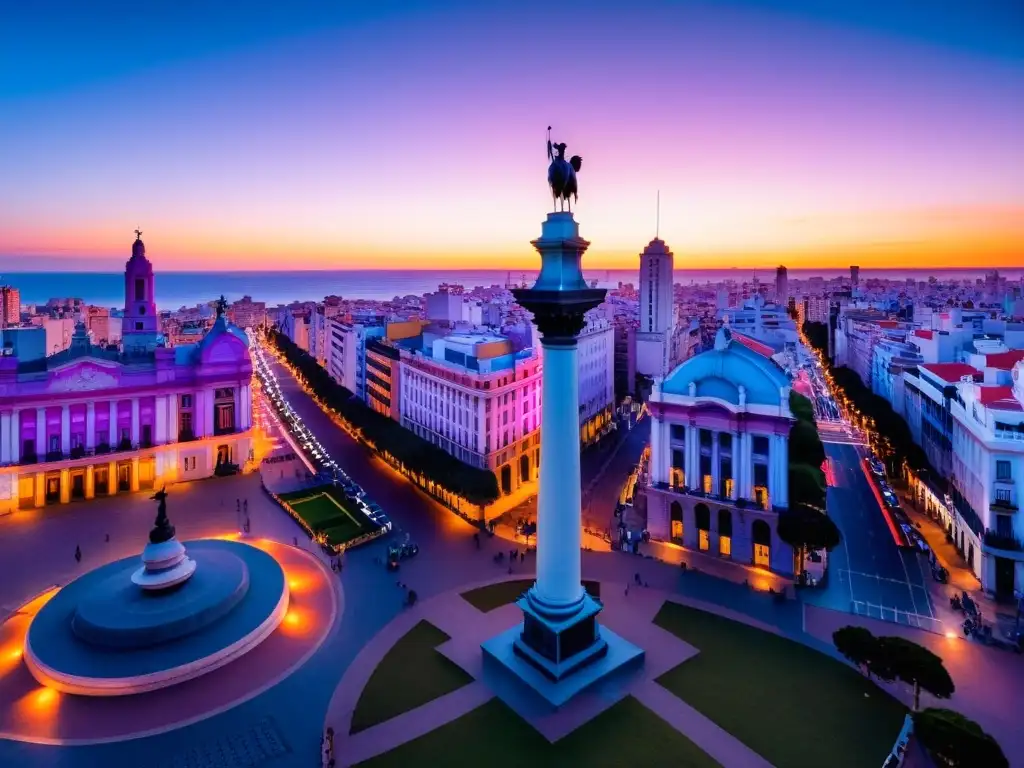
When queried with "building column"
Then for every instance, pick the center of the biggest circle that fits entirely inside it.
(172, 418)
(15, 436)
(736, 453)
(692, 469)
(716, 465)
(90, 425)
(112, 478)
(40, 489)
(558, 520)
(90, 481)
(65, 486)
(113, 436)
(160, 420)
(135, 473)
(208, 410)
(42, 445)
(5, 438)
(135, 422)
(783, 479)
(656, 450)
(65, 432)
(247, 407)
(198, 405)
(747, 458)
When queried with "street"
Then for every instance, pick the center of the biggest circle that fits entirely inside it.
(869, 574)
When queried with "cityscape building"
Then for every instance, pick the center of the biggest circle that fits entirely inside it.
(10, 306)
(718, 472)
(657, 314)
(782, 286)
(93, 421)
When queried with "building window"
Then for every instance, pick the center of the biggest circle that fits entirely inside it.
(1002, 470)
(1004, 525)
(1003, 495)
(140, 289)
(138, 326)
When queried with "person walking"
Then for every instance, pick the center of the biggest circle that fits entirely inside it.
(78, 554)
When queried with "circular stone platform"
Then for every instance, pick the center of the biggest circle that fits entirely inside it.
(102, 636)
(117, 614)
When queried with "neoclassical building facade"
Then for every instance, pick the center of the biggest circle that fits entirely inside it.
(718, 474)
(97, 421)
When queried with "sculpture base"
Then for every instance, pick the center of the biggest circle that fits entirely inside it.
(528, 685)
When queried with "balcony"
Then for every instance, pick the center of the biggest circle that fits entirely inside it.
(186, 436)
(1003, 545)
(1004, 506)
(683, 490)
(218, 431)
(55, 456)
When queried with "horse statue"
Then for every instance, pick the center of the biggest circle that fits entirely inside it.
(562, 175)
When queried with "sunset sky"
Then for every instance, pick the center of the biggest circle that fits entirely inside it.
(411, 134)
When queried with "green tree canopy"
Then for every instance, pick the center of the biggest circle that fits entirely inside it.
(857, 644)
(915, 665)
(805, 446)
(807, 530)
(956, 741)
(801, 407)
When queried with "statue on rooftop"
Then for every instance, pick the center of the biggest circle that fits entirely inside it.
(222, 305)
(562, 174)
(162, 528)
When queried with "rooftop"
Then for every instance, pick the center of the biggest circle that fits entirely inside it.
(951, 372)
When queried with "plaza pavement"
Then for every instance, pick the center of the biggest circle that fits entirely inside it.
(284, 725)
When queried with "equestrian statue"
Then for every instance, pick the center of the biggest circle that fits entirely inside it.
(562, 175)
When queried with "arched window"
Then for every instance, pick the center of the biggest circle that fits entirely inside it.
(725, 533)
(761, 533)
(703, 521)
(676, 516)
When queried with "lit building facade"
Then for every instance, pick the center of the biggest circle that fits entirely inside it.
(346, 352)
(657, 315)
(384, 379)
(596, 350)
(471, 395)
(92, 421)
(10, 306)
(718, 474)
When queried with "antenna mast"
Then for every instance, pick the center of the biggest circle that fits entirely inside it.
(657, 218)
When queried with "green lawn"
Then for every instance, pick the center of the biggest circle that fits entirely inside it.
(785, 701)
(318, 508)
(486, 599)
(626, 734)
(410, 675)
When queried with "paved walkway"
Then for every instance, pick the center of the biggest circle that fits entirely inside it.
(630, 615)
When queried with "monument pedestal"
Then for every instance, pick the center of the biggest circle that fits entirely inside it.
(559, 646)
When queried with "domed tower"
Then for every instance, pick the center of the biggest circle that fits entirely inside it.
(139, 329)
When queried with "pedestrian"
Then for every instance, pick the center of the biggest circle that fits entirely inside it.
(627, 590)
(510, 570)
(238, 504)
(108, 538)
(245, 508)
(78, 554)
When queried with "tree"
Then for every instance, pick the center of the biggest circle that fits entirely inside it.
(956, 741)
(858, 645)
(801, 407)
(916, 665)
(808, 530)
(806, 487)
(805, 446)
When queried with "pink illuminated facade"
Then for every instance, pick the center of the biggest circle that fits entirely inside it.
(719, 465)
(91, 422)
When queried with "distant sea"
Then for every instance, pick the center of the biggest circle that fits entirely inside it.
(178, 289)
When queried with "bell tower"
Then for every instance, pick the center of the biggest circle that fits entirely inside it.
(139, 329)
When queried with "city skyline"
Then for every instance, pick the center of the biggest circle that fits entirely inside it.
(812, 137)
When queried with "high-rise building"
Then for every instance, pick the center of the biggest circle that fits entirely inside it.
(657, 318)
(781, 286)
(10, 306)
(854, 280)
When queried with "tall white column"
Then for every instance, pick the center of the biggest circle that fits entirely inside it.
(65, 430)
(15, 435)
(746, 456)
(656, 450)
(5, 438)
(559, 508)
(734, 461)
(692, 456)
(90, 425)
(42, 445)
(783, 480)
(135, 421)
(172, 417)
(113, 436)
(160, 420)
(716, 464)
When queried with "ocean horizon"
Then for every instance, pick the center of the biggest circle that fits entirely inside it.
(182, 289)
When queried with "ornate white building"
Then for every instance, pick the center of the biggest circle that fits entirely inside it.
(90, 421)
(719, 468)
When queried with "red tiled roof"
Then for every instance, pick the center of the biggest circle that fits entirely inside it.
(989, 395)
(753, 344)
(924, 334)
(951, 372)
(1004, 361)
(887, 323)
